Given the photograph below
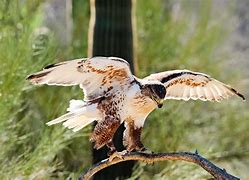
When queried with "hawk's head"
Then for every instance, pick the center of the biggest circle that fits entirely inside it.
(156, 91)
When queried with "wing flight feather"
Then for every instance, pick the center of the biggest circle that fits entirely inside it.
(185, 85)
(94, 75)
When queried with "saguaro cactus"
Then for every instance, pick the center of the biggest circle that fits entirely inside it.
(111, 34)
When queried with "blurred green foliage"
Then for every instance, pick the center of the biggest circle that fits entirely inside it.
(29, 149)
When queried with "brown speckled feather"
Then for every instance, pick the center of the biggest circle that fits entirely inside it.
(106, 128)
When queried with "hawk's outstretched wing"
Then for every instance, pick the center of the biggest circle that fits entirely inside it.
(94, 75)
(185, 85)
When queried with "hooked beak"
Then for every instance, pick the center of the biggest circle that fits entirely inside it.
(159, 103)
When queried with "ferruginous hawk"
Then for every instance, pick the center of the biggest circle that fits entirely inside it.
(113, 95)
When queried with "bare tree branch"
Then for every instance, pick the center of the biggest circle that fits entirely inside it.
(214, 170)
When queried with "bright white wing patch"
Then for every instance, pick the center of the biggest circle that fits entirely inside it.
(63, 74)
(186, 85)
(94, 75)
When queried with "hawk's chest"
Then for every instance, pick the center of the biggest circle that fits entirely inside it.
(138, 104)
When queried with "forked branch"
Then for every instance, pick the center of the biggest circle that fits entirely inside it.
(214, 170)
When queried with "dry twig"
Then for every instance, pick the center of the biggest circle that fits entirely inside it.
(215, 171)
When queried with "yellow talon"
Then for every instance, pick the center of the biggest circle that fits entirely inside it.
(117, 155)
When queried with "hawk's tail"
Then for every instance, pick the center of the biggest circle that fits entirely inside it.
(80, 115)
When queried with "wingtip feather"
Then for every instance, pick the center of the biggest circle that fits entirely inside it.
(237, 93)
(37, 77)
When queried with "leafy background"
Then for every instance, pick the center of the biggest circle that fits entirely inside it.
(206, 36)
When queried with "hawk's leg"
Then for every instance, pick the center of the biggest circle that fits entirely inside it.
(113, 153)
(111, 147)
(132, 138)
